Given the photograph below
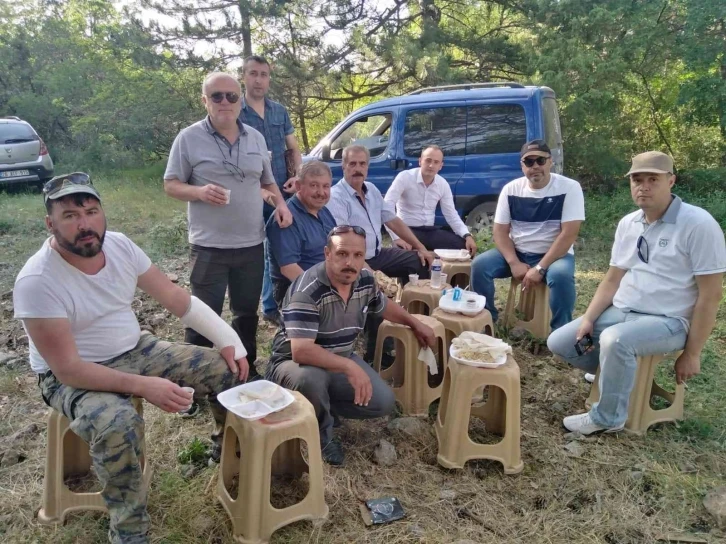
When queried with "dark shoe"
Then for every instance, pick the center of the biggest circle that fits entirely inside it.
(333, 453)
(272, 317)
(215, 453)
(193, 411)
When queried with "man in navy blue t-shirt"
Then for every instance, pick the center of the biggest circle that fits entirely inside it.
(298, 247)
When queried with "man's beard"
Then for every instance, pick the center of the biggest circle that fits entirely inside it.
(86, 249)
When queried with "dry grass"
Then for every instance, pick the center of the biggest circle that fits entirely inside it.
(622, 489)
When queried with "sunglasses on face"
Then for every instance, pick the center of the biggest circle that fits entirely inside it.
(219, 96)
(56, 184)
(530, 161)
(343, 229)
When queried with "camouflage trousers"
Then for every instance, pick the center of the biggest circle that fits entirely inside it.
(110, 425)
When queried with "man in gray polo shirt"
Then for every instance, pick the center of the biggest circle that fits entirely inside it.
(219, 165)
(660, 294)
(322, 314)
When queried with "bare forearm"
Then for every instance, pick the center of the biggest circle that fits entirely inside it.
(396, 314)
(558, 249)
(314, 355)
(506, 247)
(276, 195)
(97, 377)
(181, 191)
(704, 318)
(291, 271)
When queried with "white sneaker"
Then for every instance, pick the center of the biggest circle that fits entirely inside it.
(583, 424)
(589, 378)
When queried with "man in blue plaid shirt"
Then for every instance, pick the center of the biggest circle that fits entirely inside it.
(271, 119)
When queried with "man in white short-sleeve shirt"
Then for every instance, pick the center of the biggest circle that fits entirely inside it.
(74, 298)
(415, 193)
(537, 220)
(660, 294)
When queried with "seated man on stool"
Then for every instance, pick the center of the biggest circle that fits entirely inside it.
(296, 248)
(323, 312)
(415, 194)
(537, 220)
(660, 294)
(74, 297)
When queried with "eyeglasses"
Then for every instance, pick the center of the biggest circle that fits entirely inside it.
(642, 247)
(57, 183)
(219, 96)
(529, 161)
(342, 229)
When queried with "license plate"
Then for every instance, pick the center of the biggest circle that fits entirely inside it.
(14, 173)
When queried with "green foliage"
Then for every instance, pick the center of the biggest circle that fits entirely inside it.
(170, 238)
(194, 453)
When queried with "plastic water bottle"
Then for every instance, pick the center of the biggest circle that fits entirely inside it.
(436, 273)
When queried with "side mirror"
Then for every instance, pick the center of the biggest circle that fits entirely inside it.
(326, 153)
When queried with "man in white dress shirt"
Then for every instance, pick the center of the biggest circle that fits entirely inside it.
(415, 194)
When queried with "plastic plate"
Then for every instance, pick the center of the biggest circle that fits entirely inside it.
(258, 408)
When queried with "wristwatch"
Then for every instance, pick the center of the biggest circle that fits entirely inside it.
(468, 235)
(542, 271)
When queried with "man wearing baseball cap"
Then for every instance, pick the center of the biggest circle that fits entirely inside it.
(537, 220)
(660, 294)
(74, 298)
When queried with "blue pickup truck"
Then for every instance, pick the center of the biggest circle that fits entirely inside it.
(480, 127)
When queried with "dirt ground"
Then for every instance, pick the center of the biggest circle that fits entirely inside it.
(610, 489)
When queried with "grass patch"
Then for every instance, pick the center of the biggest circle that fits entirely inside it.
(194, 453)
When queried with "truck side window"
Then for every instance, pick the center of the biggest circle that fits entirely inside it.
(373, 132)
(495, 128)
(445, 127)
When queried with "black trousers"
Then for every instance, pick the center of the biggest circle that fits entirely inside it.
(438, 238)
(214, 270)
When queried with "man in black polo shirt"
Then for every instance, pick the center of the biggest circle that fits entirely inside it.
(323, 312)
(300, 246)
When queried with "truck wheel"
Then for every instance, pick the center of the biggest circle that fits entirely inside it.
(481, 218)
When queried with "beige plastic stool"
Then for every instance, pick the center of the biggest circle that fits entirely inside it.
(534, 304)
(254, 519)
(455, 324)
(411, 384)
(422, 298)
(501, 414)
(67, 454)
(640, 414)
(458, 272)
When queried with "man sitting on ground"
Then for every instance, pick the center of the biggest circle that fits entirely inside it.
(660, 294)
(74, 297)
(415, 194)
(298, 247)
(537, 220)
(323, 313)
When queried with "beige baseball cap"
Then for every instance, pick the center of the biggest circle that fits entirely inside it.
(653, 162)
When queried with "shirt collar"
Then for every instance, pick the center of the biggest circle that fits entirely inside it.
(351, 191)
(669, 216)
(213, 131)
(295, 202)
(419, 178)
(268, 103)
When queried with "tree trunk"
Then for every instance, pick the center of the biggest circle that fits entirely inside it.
(301, 117)
(246, 24)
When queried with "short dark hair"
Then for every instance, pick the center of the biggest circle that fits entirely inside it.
(79, 199)
(254, 58)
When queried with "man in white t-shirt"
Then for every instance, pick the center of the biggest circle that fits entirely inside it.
(537, 220)
(74, 297)
(415, 193)
(660, 294)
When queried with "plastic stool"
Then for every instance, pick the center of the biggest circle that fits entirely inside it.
(422, 298)
(459, 272)
(415, 389)
(67, 454)
(455, 324)
(501, 414)
(640, 414)
(270, 446)
(534, 304)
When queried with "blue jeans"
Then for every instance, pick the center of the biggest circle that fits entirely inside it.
(269, 306)
(619, 338)
(560, 279)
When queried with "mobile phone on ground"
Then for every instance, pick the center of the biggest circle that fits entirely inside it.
(583, 344)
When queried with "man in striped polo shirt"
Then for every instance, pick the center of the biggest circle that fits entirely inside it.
(323, 313)
(537, 221)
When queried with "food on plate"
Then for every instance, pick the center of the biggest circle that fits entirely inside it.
(475, 354)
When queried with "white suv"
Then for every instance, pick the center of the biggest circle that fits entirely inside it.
(23, 155)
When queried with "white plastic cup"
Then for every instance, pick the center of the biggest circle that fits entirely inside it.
(413, 279)
(227, 192)
(443, 279)
(188, 390)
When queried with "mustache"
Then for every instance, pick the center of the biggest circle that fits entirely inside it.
(357, 173)
(351, 270)
(85, 233)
